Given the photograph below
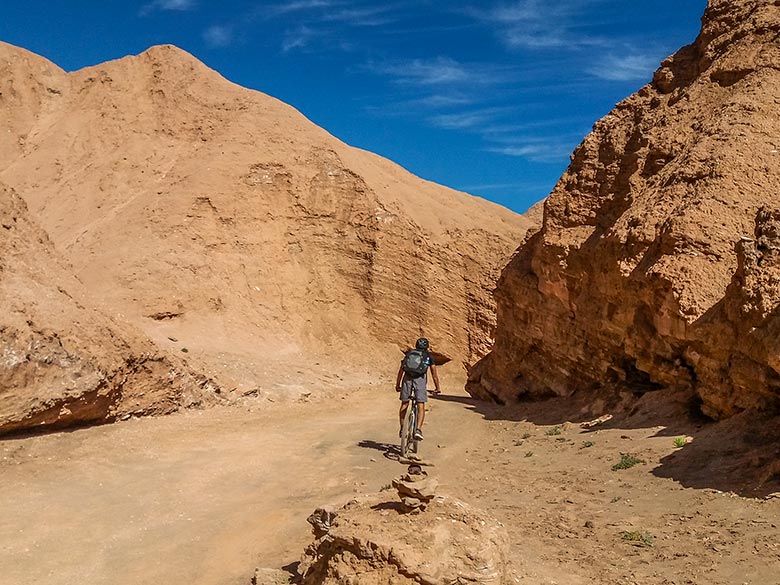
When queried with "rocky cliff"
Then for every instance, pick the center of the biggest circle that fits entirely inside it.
(221, 222)
(657, 263)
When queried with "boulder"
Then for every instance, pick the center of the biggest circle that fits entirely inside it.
(63, 361)
(373, 541)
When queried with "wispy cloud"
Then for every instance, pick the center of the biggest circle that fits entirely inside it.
(180, 5)
(630, 67)
(467, 120)
(366, 16)
(547, 149)
(218, 35)
(298, 38)
(450, 95)
(322, 24)
(276, 10)
(440, 71)
(491, 187)
(422, 105)
(438, 100)
(538, 24)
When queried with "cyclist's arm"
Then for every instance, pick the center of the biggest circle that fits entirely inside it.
(435, 375)
(398, 379)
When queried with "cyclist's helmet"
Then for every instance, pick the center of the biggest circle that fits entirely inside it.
(422, 343)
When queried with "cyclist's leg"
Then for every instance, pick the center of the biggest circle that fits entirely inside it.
(421, 394)
(402, 412)
(407, 387)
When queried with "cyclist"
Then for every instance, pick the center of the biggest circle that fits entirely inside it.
(407, 383)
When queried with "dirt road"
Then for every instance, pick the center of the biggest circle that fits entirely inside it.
(204, 497)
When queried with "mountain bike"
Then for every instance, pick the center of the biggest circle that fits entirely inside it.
(408, 442)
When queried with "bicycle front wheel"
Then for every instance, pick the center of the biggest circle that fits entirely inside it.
(408, 444)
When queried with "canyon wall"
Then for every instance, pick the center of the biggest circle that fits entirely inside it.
(657, 264)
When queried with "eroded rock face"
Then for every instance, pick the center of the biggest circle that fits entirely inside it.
(62, 362)
(656, 265)
(223, 218)
(373, 541)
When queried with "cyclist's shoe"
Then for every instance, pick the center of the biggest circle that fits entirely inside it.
(418, 436)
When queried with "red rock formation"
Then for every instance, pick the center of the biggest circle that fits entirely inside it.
(656, 265)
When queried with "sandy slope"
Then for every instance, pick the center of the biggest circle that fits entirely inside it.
(208, 212)
(235, 233)
(205, 497)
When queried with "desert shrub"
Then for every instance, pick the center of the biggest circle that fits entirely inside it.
(626, 462)
(638, 538)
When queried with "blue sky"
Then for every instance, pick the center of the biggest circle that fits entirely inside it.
(487, 97)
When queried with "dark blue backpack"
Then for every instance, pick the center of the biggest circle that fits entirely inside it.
(415, 363)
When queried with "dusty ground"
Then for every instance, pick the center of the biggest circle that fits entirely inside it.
(205, 497)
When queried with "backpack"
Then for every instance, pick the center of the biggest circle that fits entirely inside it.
(415, 363)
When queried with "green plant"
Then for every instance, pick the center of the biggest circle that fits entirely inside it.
(587, 444)
(626, 462)
(529, 453)
(553, 431)
(638, 538)
(386, 487)
(615, 500)
(680, 442)
(517, 443)
(526, 436)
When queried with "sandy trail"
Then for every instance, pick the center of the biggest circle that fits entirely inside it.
(198, 497)
(205, 497)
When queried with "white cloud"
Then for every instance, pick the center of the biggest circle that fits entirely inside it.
(522, 186)
(440, 71)
(179, 5)
(218, 35)
(176, 4)
(275, 10)
(538, 24)
(631, 67)
(442, 101)
(298, 38)
(475, 119)
(537, 149)
(369, 16)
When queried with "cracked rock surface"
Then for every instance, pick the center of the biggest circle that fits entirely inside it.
(373, 541)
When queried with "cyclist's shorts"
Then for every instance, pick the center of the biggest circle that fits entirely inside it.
(417, 385)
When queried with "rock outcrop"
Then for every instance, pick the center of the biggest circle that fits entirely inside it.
(63, 362)
(222, 218)
(657, 261)
(372, 540)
